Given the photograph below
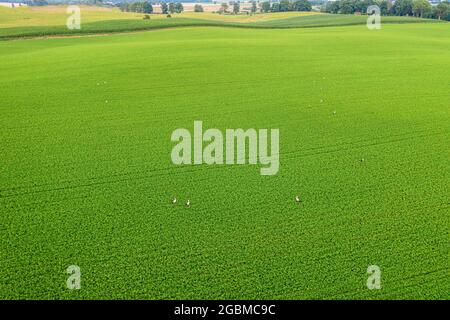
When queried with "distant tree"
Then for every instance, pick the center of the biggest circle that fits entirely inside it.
(236, 7)
(254, 7)
(164, 8)
(198, 8)
(123, 7)
(265, 6)
(171, 7)
(135, 7)
(223, 8)
(147, 7)
(39, 3)
(347, 6)
(275, 7)
(301, 5)
(447, 14)
(333, 6)
(441, 10)
(385, 7)
(284, 5)
(420, 7)
(179, 7)
(362, 5)
(402, 8)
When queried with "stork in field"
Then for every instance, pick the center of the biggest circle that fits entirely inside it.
(188, 203)
(174, 200)
(297, 199)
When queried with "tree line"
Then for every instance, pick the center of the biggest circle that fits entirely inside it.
(35, 3)
(285, 6)
(267, 6)
(417, 8)
(146, 7)
(140, 7)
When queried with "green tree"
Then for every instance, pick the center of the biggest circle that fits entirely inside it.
(236, 7)
(124, 7)
(385, 7)
(362, 5)
(420, 7)
(333, 6)
(275, 7)
(38, 3)
(171, 7)
(136, 7)
(164, 8)
(441, 10)
(223, 8)
(348, 6)
(402, 8)
(301, 5)
(179, 7)
(265, 6)
(198, 8)
(284, 5)
(147, 7)
(254, 7)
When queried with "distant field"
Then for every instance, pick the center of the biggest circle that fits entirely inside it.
(86, 176)
(48, 21)
(56, 15)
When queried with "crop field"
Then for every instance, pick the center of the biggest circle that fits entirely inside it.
(87, 179)
(56, 15)
(51, 21)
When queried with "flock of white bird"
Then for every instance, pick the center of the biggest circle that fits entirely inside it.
(297, 198)
(188, 202)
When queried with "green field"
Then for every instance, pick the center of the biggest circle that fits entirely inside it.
(86, 175)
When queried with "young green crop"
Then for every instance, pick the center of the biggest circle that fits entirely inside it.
(86, 176)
